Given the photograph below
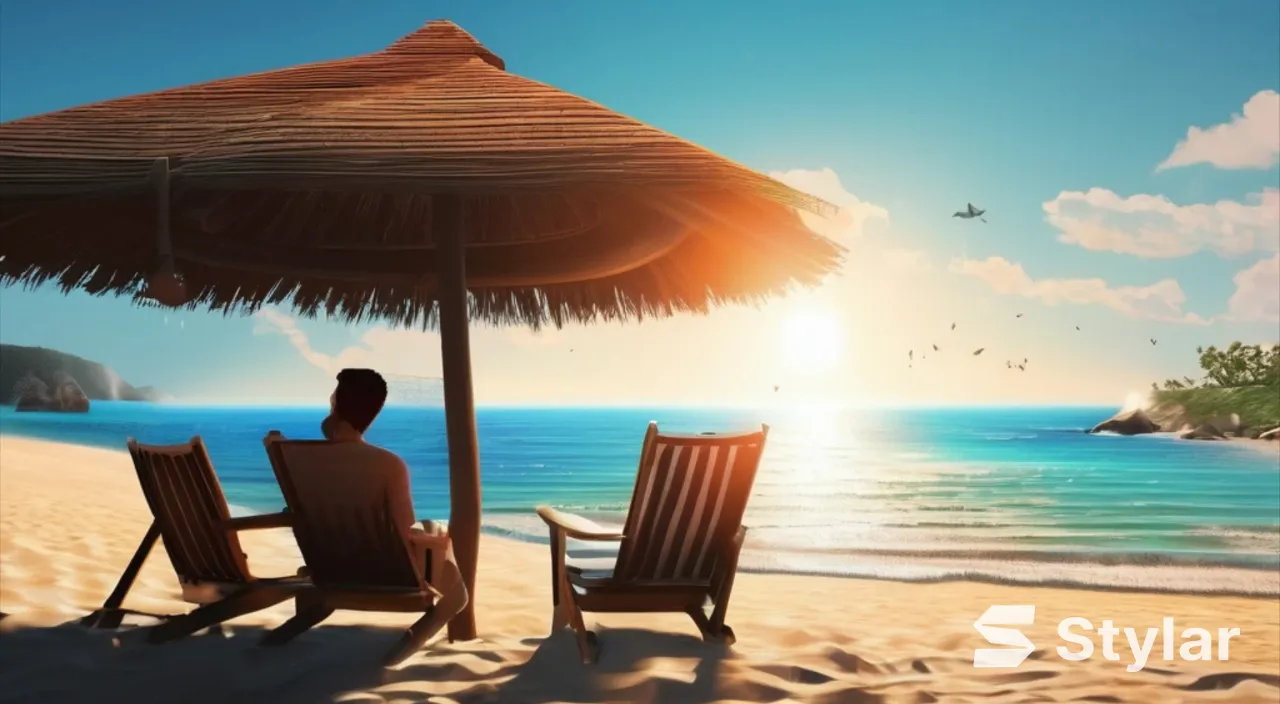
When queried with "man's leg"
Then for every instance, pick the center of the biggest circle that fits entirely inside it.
(447, 579)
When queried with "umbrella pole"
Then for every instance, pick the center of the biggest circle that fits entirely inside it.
(447, 229)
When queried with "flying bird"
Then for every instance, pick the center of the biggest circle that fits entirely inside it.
(911, 354)
(970, 213)
(1077, 327)
(1018, 315)
(935, 348)
(775, 388)
(1024, 360)
(1153, 341)
(1022, 368)
(978, 351)
(953, 326)
(1008, 365)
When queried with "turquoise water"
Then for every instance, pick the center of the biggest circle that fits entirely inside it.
(983, 483)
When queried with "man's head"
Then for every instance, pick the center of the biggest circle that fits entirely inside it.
(359, 397)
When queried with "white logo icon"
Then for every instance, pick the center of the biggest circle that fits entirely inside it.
(1004, 614)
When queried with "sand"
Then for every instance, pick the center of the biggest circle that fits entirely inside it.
(70, 518)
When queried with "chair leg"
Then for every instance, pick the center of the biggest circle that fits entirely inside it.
(559, 582)
(243, 602)
(414, 638)
(111, 615)
(309, 613)
(588, 644)
(711, 631)
(565, 611)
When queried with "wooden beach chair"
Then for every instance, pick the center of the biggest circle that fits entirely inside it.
(356, 557)
(189, 511)
(680, 543)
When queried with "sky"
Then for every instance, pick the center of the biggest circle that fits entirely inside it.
(1127, 155)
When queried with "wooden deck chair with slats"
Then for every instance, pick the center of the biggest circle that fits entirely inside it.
(190, 513)
(679, 546)
(355, 555)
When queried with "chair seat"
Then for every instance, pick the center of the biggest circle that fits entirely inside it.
(202, 593)
(368, 599)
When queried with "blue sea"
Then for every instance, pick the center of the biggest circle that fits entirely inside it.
(906, 493)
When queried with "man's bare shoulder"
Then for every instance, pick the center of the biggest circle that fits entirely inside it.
(383, 457)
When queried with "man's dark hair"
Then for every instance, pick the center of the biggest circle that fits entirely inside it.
(359, 397)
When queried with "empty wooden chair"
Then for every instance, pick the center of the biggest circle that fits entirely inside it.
(189, 512)
(355, 555)
(680, 543)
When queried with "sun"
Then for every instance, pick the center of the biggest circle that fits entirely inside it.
(812, 341)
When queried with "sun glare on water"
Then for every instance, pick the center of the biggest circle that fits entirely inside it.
(812, 342)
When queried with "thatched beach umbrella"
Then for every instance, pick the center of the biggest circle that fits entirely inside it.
(389, 186)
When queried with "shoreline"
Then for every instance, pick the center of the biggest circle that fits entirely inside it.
(71, 518)
(1102, 572)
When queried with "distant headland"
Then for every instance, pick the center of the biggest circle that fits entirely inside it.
(41, 379)
(1238, 397)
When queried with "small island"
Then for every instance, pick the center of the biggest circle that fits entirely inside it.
(41, 379)
(1239, 396)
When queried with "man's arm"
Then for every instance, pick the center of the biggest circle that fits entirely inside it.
(401, 495)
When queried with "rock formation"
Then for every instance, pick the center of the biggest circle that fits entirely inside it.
(1135, 422)
(31, 393)
(1204, 431)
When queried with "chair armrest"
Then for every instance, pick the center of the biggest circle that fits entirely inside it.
(576, 527)
(267, 520)
(433, 541)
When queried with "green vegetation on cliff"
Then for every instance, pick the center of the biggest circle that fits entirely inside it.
(1241, 379)
(1257, 406)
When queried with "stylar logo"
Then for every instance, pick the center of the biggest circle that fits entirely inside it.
(1007, 615)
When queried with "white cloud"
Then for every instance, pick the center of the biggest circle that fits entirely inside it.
(1152, 226)
(391, 352)
(1161, 301)
(1251, 140)
(907, 261)
(852, 214)
(1257, 296)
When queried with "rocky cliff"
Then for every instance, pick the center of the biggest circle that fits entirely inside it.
(48, 377)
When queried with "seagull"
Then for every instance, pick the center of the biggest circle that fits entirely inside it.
(1018, 315)
(935, 348)
(1024, 360)
(978, 351)
(1153, 341)
(911, 354)
(1008, 364)
(1022, 368)
(970, 213)
(1077, 327)
(775, 388)
(953, 326)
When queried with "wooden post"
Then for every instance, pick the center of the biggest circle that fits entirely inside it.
(448, 223)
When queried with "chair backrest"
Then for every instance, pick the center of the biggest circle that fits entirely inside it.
(345, 531)
(187, 502)
(690, 494)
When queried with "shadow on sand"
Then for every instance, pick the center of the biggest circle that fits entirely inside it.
(69, 663)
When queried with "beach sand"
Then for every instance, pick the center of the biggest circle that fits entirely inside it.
(70, 518)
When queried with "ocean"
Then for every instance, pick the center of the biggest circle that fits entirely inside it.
(1005, 494)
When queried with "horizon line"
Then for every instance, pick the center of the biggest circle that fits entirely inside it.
(816, 405)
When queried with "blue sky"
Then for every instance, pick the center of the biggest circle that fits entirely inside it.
(916, 107)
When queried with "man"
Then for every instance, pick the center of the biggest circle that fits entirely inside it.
(357, 467)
